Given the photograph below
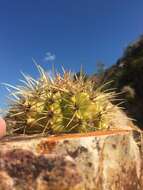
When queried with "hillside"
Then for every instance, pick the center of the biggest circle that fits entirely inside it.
(127, 77)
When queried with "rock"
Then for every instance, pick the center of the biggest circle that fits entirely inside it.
(96, 161)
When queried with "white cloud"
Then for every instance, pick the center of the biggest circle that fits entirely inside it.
(50, 56)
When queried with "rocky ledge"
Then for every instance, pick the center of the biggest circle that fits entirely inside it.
(107, 160)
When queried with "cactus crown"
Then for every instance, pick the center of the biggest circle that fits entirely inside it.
(62, 104)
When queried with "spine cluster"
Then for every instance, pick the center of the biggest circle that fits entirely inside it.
(59, 104)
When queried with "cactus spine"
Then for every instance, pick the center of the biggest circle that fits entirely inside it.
(62, 104)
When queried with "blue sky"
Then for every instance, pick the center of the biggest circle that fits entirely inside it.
(66, 32)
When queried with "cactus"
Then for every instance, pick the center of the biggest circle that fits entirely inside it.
(61, 104)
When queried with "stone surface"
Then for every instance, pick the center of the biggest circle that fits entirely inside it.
(97, 161)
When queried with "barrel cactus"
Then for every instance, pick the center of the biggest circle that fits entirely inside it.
(60, 104)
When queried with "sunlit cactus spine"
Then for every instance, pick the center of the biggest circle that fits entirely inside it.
(58, 104)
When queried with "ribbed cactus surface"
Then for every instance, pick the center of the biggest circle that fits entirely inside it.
(58, 104)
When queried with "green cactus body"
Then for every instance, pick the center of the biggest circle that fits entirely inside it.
(58, 105)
